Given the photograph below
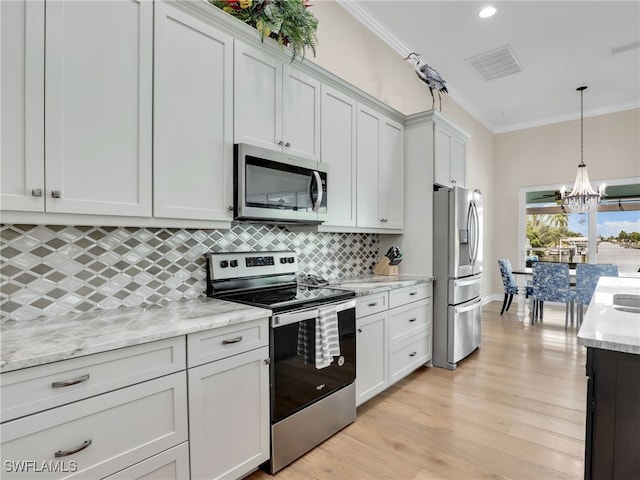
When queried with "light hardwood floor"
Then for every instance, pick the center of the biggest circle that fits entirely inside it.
(514, 409)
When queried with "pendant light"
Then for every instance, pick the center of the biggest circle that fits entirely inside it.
(582, 198)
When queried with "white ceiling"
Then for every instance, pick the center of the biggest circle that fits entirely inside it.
(560, 45)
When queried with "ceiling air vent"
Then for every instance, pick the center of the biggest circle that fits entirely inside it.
(496, 63)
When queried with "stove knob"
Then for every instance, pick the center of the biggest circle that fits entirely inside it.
(233, 263)
(224, 264)
(291, 259)
(283, 259)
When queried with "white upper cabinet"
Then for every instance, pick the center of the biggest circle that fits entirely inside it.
(22, 106)
(275, 105)
(338, 148)
(380, 171)
(98, 107)
(449, 152)
(193, 118)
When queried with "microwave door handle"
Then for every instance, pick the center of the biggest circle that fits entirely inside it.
(318, 180)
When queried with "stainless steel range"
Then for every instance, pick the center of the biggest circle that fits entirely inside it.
(312, 347)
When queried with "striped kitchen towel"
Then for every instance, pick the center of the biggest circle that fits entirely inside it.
(327, 336)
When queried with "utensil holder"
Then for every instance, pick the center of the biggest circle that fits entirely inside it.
(383, 268)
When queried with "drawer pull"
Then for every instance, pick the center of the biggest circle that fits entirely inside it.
(413, 319)
(68, 383)
(413, 354)
(372, 304)
(79, 448)
(232, 340)
(413, 293)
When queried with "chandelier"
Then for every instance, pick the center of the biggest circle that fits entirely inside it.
(582, 198)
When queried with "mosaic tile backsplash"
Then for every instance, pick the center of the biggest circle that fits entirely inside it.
(49, 270)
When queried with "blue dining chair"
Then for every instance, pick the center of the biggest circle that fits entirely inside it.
(509, 282)
(551, 284)
(587, 276)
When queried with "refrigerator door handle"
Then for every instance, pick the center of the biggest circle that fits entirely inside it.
(469, 233)
(471, 306)
(474, 236)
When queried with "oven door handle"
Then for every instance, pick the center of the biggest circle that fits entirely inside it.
(294, 317)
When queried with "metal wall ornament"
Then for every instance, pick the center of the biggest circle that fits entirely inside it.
(582, 198)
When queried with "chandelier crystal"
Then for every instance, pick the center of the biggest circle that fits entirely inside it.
(582, 198)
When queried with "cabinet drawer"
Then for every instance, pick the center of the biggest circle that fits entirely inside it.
(402, 296)
(38, 388)
(119, 428)
(405, 357)
(371, 304)
(210, 345)
(409, 321)
(172, 464)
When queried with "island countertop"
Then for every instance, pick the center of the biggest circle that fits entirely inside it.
(27, 343)
(608, 327)
(369, 284)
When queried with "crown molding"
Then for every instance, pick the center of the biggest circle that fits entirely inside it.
(362, 15)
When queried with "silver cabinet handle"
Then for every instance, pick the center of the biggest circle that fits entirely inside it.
(68, 383)
(230, 208)
(232, 340)
(36, 192)
(413, 354)
(287, 145)
(267, 361)
(66, 453)
(413, 293)
(55, 194)
(372, 304)
(359, 330)
(413, 319)
(384, 220)
(280, 143)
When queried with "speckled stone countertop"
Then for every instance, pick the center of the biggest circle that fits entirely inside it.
(27, 343)
(608, 327)
(368, 284)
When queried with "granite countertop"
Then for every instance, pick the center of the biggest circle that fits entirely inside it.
(27, 343)
(606, 327)
(368, 284)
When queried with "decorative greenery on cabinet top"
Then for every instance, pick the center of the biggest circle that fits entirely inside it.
(288, 21)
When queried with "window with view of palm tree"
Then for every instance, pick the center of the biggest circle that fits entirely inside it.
(550, 239)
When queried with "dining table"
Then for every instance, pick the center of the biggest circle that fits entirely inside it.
(523, 275)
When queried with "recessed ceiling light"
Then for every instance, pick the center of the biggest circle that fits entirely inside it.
(487, 12)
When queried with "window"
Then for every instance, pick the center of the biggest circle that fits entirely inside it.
(610, 235)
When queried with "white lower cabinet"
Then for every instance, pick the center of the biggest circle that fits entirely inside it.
(229, 411)
(100, 435)
(172, 464)
(391, 342)
(371, 356)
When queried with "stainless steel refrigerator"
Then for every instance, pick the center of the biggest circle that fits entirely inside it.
(457, 267)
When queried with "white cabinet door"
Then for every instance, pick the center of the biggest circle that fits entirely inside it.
(372, 374)
(98, 107)
(22, 105)
(275, 105)
(449, 157)
(193, 118)
(257, 98)
(229, 415)
(380, 179)
(368, 157)
(391, 186)
(300, 114)
(338, 148)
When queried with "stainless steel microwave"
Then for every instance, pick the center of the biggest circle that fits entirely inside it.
(274, 187)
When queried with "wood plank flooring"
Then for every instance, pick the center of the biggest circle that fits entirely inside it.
(515, 409)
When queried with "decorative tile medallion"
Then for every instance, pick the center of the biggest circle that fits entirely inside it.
(49, 270)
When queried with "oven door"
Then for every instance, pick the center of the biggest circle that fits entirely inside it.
(273, 186)
(295, 380)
